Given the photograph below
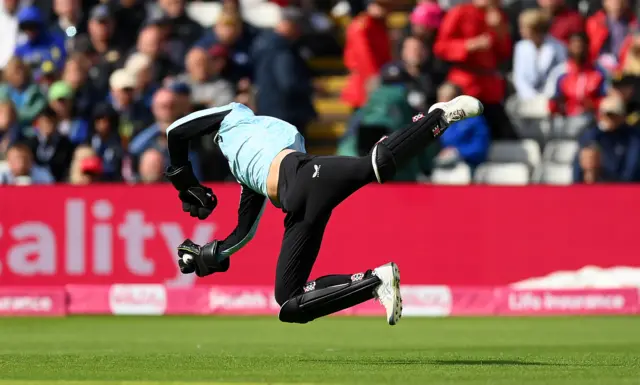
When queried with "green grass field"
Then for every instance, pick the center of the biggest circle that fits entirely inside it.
(214, 350)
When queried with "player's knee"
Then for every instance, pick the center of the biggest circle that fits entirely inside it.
(282, 292)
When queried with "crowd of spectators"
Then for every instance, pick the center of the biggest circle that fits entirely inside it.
(542, 69)
(89, 87)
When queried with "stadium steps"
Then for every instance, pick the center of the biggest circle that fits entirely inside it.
(327, 130)
(331, 106)
(331, 85)
(327, 65)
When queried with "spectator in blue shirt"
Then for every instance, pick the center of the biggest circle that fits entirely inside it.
(40, 44)
(610, 151)
(20, 169)
(467, 140)
(134, 115)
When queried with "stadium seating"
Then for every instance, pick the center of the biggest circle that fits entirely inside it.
(560, 151)
(525, 151)
(515, 174)
(458, 175)
(555, 174)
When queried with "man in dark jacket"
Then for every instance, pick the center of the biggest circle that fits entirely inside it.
(50, 148)
(610, 151)
(281, 74)
(106, 141)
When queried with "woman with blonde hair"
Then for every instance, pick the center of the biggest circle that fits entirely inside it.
(18, 86)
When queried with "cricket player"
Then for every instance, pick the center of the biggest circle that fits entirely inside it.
(267, 156)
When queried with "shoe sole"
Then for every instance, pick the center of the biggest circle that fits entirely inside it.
(397, 300)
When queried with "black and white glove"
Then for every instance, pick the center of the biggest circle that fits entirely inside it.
(197, 200)
(200, 259)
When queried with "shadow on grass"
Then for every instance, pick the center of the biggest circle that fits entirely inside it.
(414, 361)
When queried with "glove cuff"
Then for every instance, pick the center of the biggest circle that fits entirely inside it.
(182, 178)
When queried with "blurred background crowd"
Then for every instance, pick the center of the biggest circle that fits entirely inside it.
(88, 87)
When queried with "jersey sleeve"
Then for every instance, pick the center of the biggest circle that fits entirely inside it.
(252, 205)
(192, 126)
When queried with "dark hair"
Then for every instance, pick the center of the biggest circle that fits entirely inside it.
(48, 112)
(580, 35)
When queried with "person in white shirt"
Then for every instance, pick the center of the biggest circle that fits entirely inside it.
(535, 56)
(8, 29)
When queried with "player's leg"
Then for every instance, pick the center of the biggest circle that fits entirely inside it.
(401, 146)
(304, 301)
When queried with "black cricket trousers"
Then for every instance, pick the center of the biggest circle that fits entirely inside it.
(309, 188)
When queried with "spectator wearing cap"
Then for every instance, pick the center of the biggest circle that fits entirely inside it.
(131, 13)
(474, 37)
(39, 44)
(152, 166)
(134, 116)
(282, 76)
(86, 167)
(151, 42)
(139, 65)
(230, 31)
(71, 22)
(76, 75)
(69, 124)
(609, 151)
(10, 130)
(208, 88)
(424, 21)
(102, 47)
(564, 21)
(367, 49)
(21, 170)
(51, 149)
(106, 142)
(18, 88)
(8, 30)
(535, 56)
(182, 93)
(607, 30)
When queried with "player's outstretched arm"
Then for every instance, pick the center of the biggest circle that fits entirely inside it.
(198, 200)
(214, 256)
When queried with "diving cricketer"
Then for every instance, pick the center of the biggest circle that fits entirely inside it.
(267, 157)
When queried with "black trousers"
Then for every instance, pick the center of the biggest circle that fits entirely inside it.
(309, 188)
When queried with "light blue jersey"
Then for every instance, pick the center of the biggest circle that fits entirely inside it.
(249, 142)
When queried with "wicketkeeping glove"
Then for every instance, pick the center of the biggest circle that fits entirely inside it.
(197, 200)
(200, 259)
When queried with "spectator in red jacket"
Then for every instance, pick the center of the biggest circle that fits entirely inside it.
(475, 39)
(367, 49)
(579, 87)
(564, 21)
(607, 30)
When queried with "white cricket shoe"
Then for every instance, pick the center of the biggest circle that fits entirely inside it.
(388, 292)
(459, 108)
